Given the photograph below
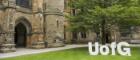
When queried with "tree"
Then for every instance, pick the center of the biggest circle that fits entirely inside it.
(101, 15)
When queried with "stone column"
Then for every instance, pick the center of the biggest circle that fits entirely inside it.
(115, 34)
(54, 29)
(8, 44)
(54, 23)
(38, 33)
(38, 42)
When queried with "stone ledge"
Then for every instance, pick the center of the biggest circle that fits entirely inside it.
(38, 45)
(6, 48)
(54, 45)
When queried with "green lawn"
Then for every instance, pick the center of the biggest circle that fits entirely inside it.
(76, 54)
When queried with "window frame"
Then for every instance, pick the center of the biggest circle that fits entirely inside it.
(26, 4)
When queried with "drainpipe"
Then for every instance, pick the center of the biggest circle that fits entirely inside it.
(44, 23)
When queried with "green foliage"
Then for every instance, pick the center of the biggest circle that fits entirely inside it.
(101, 15)
(91, 13)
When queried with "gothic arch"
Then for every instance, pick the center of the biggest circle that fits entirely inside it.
(25, 22)
(22, 32)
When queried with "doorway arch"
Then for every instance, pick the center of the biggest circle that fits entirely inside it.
(20, 35)
(22, 31)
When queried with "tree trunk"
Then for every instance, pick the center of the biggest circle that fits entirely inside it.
(103, 31)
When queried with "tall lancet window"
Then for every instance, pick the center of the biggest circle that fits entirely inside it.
(24, 3)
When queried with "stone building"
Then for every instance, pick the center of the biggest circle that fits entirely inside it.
(39, 24)
(31, 24)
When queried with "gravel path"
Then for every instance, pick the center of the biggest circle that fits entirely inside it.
(25, 51)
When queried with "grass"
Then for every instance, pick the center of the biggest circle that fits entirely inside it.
(76, 54)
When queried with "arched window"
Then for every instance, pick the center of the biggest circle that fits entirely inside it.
(83, 35)
(24, 3)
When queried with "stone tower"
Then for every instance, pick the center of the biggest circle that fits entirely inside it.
(54, 22)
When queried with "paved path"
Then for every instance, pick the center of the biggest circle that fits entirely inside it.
(25, 51)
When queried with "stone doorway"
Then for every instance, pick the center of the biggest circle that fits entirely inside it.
(74, 37)
(20, 35)
(108, 38)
